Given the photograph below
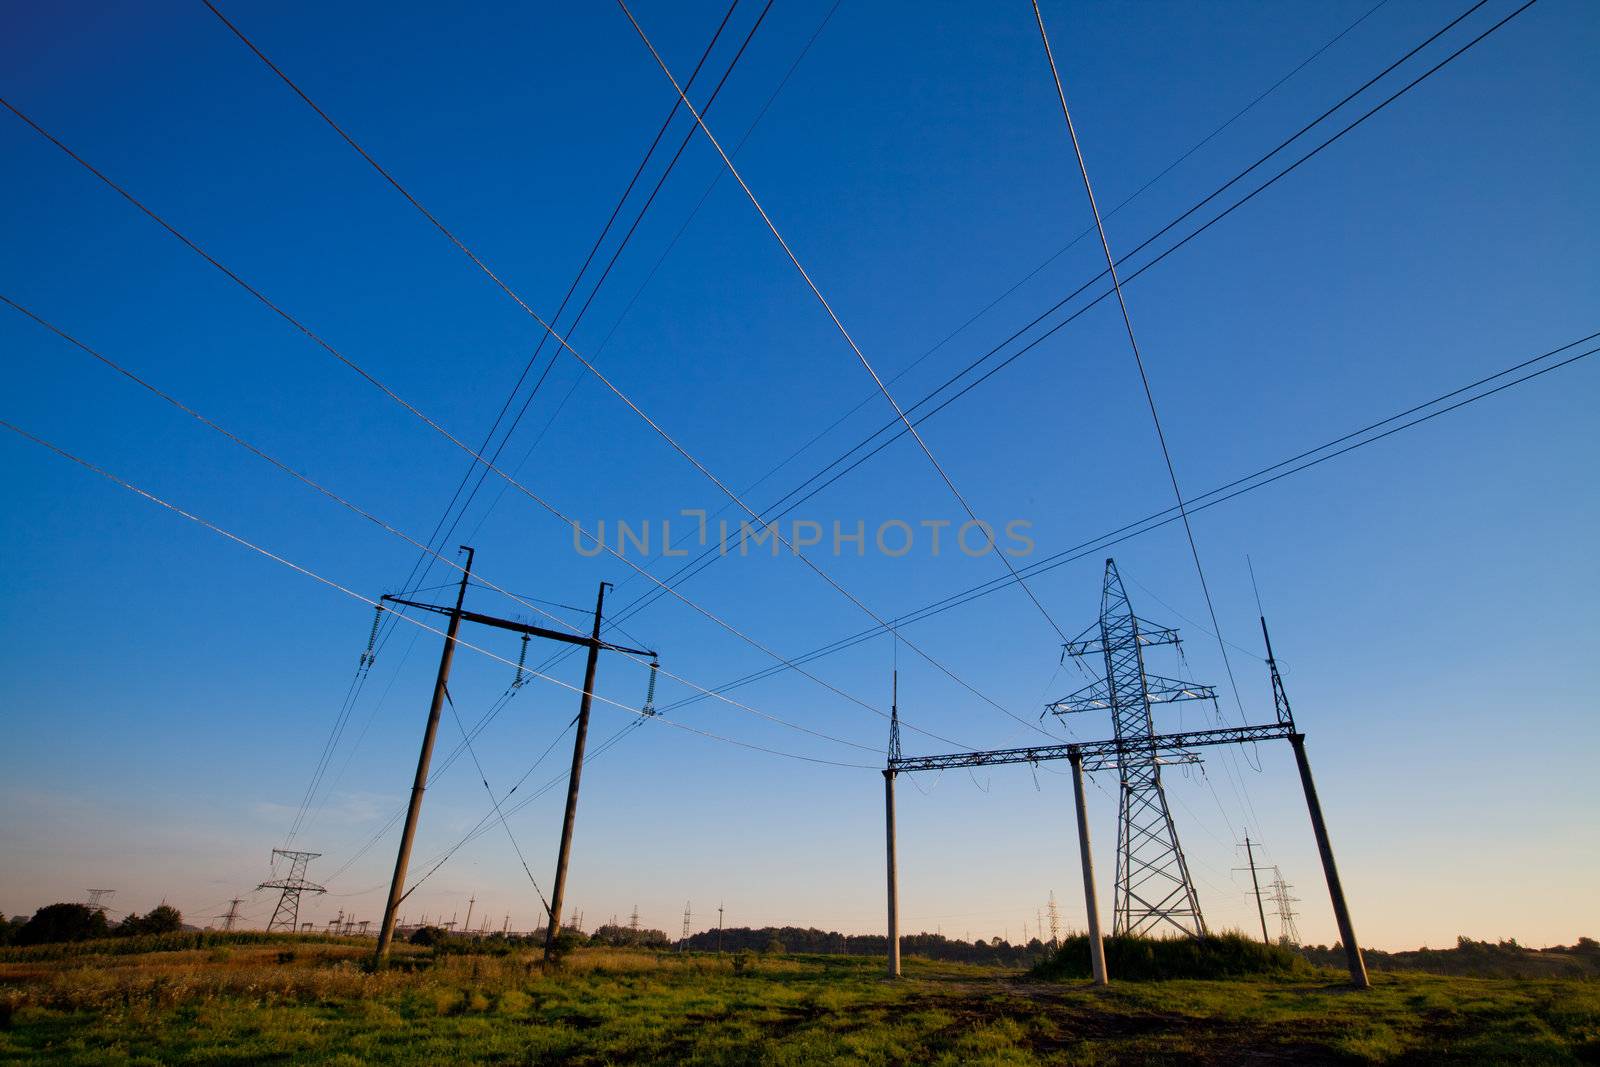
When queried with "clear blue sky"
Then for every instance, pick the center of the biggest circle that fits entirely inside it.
(167, 693)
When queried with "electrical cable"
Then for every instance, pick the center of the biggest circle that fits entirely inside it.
(1200, 502)
(866, 364)
(330, 583)
(705, 558)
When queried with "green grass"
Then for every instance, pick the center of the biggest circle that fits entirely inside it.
(252, 1002)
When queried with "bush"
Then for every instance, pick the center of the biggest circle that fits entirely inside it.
(1131, 958)
(428, 936)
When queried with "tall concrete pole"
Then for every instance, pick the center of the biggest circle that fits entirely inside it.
(553, 928)
(1341, 912)
(1097, 946)
(894, 889)
(398, 884)
(1262, 912)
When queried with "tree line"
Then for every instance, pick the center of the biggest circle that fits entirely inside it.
(56, 923)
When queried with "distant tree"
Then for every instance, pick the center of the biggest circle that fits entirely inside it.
(163, 919)
(62, 922)
(9, 928)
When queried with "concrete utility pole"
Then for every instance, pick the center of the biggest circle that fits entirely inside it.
(467, 926)
(419, 784)
(719, 929)
(1091, 902)
(564, 855)
(1319, 828)
(1261, 912)
(1341, 912)
(888, 808)
(594, 644)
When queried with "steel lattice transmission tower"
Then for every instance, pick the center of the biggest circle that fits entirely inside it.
(1153, 888)
(287, 914)
(1288, 933)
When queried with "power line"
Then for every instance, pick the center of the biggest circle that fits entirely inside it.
(650, 275)
(521, 487)
(1200, 502)
(668, 438)
(1138, 359)
(832, 315)
(330, 583)
(707, 558)
(343, 502)
(527, 367)
(992, 304)
(457, 442)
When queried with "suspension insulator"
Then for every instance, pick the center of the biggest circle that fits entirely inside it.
(650, 691)
(370, 656)
(522, 658)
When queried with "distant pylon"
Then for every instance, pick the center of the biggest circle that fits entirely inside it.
(684, 940)
(1055, 920)
(232, 915)
(98, 898)
(287, 913)
(633, 921)
(1153, 885)
(1288, 934)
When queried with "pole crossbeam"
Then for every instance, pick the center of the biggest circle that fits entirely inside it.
(1096, 754)
(581, 640)
(1156, 890)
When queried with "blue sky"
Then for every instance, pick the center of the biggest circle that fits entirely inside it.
(168, 693)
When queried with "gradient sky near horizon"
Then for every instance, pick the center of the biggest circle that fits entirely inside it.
(167, 693)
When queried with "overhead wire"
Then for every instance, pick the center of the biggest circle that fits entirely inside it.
(337, 587)
(589, 365)
(365, 514)
(707, 558)
(1211, 498)
(458, 443)
(425, 561)
(866, 364)
(1138, 359)
(670, 245)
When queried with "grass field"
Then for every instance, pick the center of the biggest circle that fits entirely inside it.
(312, 1002)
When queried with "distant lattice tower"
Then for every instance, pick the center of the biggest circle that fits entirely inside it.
(287, 913)
(1288, 933)
(684, 940)
(1153, 887)
(231, 916)
(98, 898)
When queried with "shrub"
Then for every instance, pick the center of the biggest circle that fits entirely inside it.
(428, 936)
(1131, 958)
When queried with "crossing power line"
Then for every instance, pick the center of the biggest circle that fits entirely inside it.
(821, 479)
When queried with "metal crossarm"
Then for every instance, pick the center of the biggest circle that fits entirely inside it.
(1096, 696)
(1108, 750)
